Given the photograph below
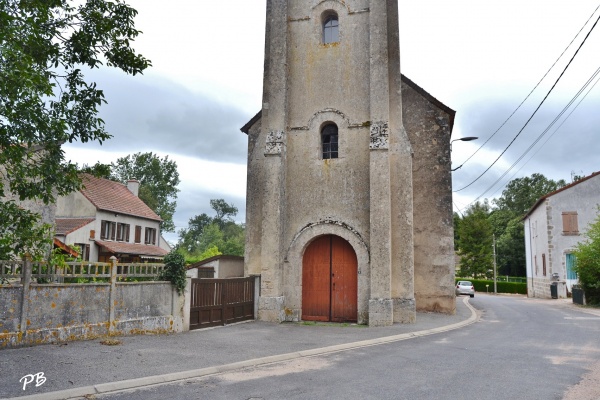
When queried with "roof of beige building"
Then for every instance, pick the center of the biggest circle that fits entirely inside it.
(64, 226)
(112, 196)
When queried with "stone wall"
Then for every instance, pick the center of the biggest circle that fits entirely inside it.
(46, 313)
(429, 126)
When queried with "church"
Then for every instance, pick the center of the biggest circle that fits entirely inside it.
(349, 189)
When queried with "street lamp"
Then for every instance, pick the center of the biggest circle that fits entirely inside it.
(463, 139)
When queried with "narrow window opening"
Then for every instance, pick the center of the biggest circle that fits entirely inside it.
(331, 29)
(329, 136)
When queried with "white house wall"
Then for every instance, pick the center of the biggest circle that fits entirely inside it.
(82, 235)
(583, 198)
(544, 235)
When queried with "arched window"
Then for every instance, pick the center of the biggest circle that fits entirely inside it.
(331, 29)
(329, 138)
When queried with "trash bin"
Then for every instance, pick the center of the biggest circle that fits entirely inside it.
(554, 290)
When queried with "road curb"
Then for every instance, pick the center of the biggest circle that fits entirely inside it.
(131, 384)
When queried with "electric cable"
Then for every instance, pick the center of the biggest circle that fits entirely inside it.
(552, 135)
(534, 88)
(540, 136)
(536, 110)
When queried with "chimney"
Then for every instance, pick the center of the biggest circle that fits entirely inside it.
(133, 186)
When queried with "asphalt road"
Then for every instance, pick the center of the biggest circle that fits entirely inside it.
(520, 349)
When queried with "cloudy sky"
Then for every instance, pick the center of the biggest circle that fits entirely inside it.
(481, 58)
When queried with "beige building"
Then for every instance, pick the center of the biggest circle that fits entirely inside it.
(349, 214)
(106, 219)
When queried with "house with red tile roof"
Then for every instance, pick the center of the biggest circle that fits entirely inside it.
(107, 218)
(554, 225)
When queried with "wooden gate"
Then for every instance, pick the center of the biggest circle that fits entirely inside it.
(221, 301)
(329, 281)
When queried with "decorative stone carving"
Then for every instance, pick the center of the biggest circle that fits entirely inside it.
(274, 143)
(379, 136)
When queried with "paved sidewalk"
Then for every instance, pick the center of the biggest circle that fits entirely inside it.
(74, 369)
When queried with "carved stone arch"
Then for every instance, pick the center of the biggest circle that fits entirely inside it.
(295, 253)
(335, 5)
(317, 120)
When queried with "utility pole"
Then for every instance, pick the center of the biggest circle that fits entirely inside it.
(494, 247)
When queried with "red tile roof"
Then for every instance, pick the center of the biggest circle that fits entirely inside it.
(113, 196)
(131, 248)
(64, 226)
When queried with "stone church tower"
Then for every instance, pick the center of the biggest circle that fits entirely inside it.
(333, 174)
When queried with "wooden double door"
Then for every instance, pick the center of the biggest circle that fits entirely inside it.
(329, 280)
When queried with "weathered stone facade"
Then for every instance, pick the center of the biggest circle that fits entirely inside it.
(388, 191)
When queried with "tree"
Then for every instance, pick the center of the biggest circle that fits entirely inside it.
(45, 100)
(475, 240)
(587, 262)
(517, 198)
(522, 193)
(158, 179)
(225, 212)
(207, 236)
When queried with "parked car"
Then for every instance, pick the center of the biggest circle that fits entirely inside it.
(465, 287)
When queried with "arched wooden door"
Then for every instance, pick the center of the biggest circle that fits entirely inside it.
(329, 280)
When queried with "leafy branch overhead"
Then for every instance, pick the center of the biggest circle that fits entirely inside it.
(45, 100)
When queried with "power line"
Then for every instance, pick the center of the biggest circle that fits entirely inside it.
(556, 130)
(536, 110)
(534, 88)
(564, 110)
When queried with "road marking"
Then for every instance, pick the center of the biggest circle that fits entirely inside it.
(584, 318)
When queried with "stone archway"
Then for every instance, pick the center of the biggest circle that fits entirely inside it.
(329, 280)
(293, 270)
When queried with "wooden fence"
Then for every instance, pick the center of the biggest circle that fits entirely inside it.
(41, 272)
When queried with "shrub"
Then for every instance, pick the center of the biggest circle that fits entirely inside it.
(587, 262)
(174, 270)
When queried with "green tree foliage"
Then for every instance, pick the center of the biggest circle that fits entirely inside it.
(158, 179)
(475, 241)
(517, 198)
(209, 236)
(587, 262)
(45, 101)
(522, 193)
(99, 170)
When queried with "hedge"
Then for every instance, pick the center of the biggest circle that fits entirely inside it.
(502, 287)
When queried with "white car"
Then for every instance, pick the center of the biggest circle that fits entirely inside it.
(465, 287)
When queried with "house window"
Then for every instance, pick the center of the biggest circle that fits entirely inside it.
(331, 28)
(150, 236)
(84, 251)
(537, 270)
(108, 230)
(544, 264)
(569, 220)
(138, 234)
(329, 138)
(122, 232)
